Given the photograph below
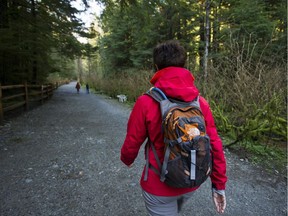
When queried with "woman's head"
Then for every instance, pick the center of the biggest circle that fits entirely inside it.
(169, 53)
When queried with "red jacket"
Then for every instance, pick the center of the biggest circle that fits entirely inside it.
(145, 119)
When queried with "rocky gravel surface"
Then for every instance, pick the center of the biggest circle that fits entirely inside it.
(62, 158)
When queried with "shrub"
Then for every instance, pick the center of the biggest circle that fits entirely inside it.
(131, 83)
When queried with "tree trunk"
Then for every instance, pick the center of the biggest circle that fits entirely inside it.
(202, 40)
(216, 29)
(207, 39)
(34, 48)
(3, 24)
(4, 14)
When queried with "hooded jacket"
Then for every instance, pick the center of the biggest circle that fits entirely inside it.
(145, 120)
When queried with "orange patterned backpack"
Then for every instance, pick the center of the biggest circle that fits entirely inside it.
(187, 161)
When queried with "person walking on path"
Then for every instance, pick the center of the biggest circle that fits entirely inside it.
(78, 86)
(145, 122)
(87, 88)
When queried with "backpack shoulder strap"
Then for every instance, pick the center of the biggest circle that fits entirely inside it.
(194, 102)
(148, 165)
(164, 101)
(157, 94)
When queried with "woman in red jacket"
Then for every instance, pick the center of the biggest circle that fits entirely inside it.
(145, 121)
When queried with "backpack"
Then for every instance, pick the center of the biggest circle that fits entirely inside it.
(187, 157)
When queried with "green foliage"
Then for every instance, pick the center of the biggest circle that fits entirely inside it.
(133, 28)
(132, 32)
(265, 124)
(30, 33)
(272, 157)
(256, 22)
(131, 83)
(248, 100)
(224, 125)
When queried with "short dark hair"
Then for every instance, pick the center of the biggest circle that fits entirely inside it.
(169, 53)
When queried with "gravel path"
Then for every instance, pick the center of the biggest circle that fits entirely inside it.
(62, 158)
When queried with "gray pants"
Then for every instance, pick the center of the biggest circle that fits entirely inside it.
(164, 206)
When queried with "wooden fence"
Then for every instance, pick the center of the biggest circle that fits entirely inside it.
(16, 96)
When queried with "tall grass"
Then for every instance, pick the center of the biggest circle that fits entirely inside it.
(249, 98)
(248, 103)
(131, 83)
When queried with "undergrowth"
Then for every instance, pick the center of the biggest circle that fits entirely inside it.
(272, 157)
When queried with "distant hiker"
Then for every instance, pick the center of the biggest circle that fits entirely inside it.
(145, 122)
(87, 88)
(78, 86)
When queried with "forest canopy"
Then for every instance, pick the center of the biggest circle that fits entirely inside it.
(132, 28)
(38, 37)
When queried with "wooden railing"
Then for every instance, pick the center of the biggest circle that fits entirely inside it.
(15, 96)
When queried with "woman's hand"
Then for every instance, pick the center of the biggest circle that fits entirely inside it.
(219, 202)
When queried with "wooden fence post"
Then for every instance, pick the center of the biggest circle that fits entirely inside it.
(1, 106)
(42, 97)
(26, 96)
(47, 91)
(50, 90)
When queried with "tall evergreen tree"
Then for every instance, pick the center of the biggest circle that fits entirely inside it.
(29, 30)
(248, 26)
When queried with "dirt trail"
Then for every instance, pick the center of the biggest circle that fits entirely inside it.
(62, 158)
